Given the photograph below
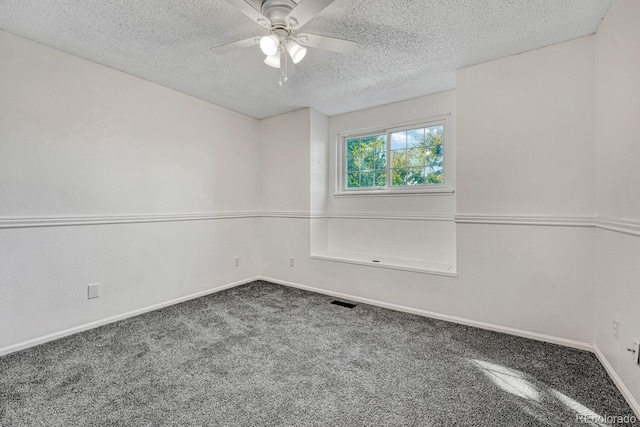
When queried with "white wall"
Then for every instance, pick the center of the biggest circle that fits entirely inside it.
(526, 133)
(285, 185)
(284, 162)
(617, 141)
(385, 115)
(537, 278)
(383, 226)
(526, 156)
(83, 143)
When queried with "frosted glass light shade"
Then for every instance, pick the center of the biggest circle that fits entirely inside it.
(269, 45)
(296, 51)
(273, 60)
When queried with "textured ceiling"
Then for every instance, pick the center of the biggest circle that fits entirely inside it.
(407, 48)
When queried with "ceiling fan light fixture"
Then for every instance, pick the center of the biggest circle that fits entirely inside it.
(296, 51)
(269, 45)
(273, 60)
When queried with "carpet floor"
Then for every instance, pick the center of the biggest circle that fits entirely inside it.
(268, 355)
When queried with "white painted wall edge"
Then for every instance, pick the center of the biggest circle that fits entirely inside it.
(61, 334)
(454, 319)
(59, 221)
(633, 403)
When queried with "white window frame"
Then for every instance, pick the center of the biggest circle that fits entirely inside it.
(448, 174)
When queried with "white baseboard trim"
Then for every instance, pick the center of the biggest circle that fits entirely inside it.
(454, 319)
(633, 403)
(61, 334)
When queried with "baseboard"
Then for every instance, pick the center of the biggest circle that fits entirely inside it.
(61, 334)
(633, 403)
(454, 319)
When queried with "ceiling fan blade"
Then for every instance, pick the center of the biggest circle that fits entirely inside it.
(304, 11)
(251, 12)
(326, 43)
(236, 45)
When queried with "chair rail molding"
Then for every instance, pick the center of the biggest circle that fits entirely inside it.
(76, 220)
(546, 220)
(619, 225)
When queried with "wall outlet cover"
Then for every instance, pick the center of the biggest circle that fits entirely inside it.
(93, 291)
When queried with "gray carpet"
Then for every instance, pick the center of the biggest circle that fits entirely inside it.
(263, 354)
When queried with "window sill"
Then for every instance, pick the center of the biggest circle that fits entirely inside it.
(403, 264)
(404, 192)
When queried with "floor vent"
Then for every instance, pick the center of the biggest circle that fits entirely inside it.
(343, 304)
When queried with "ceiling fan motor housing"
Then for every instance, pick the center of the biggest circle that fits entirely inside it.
(277, 10)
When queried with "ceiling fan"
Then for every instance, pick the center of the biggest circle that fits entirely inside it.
(282, 47)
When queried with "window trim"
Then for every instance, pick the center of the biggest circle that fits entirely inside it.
(445, 188)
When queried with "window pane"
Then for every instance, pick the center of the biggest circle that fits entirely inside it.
(398, 158)
(367, 163)
(352, 147)
(353, 180)
(415, 176)
(380, 159)
(398, 140)
(433, 175)
(398, 176)
(415, 138)
(352, 164)
(433, 135)
(367, 179)
(434, 156)
(366, 157)
(414, 158)
(408, 176)
(417, 156)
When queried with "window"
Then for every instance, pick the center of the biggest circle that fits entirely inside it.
(367, 161)
(400, 159)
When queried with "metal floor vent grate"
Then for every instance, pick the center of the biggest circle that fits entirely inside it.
(343, 304)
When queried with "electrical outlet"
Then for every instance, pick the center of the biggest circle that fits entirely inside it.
(93, 291)
(237, 262)
(292, 262)
(615, 329)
